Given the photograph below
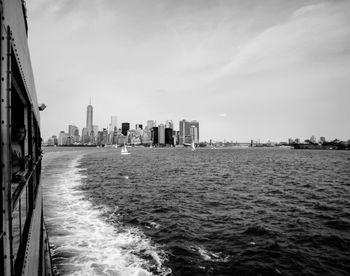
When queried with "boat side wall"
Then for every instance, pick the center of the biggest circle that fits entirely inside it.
(5, 230)
(14, 18)
(23, 256)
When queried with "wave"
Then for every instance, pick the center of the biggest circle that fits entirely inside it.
(211, 256)
(256, 230)
(290, 219)
(338, 224)
(83, 243)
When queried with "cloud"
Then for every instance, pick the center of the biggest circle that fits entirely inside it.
(246, 57)
(312, 35)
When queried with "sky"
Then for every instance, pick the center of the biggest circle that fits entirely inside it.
(246, 70)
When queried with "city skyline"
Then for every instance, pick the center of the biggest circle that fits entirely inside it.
(187, 131)
(246, 70)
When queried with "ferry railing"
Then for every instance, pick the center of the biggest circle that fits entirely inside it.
(20, 188)
(30, 249)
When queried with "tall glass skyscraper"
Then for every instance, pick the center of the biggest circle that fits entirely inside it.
(89, 117)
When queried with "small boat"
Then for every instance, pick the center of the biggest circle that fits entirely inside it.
(124, 151)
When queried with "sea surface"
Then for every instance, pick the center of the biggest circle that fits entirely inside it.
(171, 211)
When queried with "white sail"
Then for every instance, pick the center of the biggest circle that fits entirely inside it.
(193, 146)
(124, 150)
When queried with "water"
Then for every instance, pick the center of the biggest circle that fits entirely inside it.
(208, 212)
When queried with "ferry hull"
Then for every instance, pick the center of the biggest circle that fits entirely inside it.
(24, 248)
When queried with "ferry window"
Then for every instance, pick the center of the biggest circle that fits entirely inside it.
(19, 161)
(19, 137)
(20, 158)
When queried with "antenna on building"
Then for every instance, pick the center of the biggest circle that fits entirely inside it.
(90, 101)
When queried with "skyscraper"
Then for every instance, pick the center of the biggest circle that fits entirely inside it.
(114, 124)
(194, 125)
(84, 136)
(194, 133)
(182, 129)
(169, 124)
(169, 136)
(189, 131)
(73, 130)
(73, 133)
(62, 138)
(125, 128)
(154, 135)
(150, 124)
(161, 134)
(89, 119)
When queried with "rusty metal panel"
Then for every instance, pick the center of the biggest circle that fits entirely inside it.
(14, 18)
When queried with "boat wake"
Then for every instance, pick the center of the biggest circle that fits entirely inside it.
(83, 242)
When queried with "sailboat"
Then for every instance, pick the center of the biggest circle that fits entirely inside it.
(124, 151)
(193, 148)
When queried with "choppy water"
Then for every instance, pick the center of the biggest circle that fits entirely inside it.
(211, 212)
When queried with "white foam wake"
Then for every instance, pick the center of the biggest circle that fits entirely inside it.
(209, 255)
(83, 243)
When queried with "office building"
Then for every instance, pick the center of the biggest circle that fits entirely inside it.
(62, 138)
(94, 132)
(73, 130)
(150, 124)
(115, 135)
(161, 134)
(125, 128)
(114, 124)
(53, 141)
(73, 133)
(121, 139)
(146, 137)
(84, 136)
(135, 137)
(195, 128)
(154, 136)
(169, 140)
(101, 137)
(189, 131)
(184, 131)
(194, 134)
(169, 124)
(176, 137)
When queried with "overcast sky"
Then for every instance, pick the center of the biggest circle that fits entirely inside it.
(245, 70)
